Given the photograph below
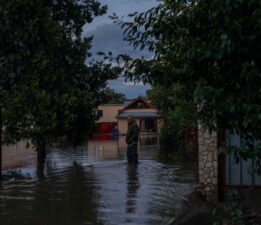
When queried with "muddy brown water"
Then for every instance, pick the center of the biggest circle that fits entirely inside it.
(93, 184)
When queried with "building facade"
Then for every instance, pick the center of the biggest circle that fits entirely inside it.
(147, 117)
(115, 117)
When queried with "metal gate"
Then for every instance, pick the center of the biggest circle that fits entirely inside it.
(241, 173)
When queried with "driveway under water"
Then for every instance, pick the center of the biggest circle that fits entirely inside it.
(93, 184)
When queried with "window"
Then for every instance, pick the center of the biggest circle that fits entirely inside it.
(99, 113)
(149, 125)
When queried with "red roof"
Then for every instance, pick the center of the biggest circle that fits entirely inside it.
(135, 101)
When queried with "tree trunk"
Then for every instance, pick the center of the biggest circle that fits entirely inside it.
(41, 155)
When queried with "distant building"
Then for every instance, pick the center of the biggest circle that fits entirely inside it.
(114, 117)
(146, 115)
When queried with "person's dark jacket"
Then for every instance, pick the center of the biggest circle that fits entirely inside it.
(132, 134)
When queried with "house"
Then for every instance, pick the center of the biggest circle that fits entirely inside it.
(115, 117)
(147, 116)
(108, 121)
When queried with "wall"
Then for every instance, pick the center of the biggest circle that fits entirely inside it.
(109, 113)
(17, 155)
(208, 164)
(123, 125)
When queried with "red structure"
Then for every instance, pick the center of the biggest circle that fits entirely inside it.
(106, 131)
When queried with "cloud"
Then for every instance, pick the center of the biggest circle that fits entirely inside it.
(109, 38)
(121, 8)
(129, 83)
(128, 88)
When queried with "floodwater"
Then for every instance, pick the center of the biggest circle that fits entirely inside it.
(93, 184)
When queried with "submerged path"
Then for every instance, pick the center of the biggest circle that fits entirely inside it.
(97, 187)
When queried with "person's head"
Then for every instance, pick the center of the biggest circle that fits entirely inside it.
(130, 119)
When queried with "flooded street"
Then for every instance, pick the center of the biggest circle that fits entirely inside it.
(93, 184)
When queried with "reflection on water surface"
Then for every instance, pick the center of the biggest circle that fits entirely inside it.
(97, 186)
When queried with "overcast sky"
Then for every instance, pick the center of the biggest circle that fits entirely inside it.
(108, 38)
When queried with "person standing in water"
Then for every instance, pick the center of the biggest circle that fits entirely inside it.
(132, 140)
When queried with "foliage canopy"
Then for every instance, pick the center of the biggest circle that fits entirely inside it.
(47, 89)
(210, 48)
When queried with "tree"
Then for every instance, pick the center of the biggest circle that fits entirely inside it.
(47, 89)
(179, 115)
(212, 49)
(113, 97)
